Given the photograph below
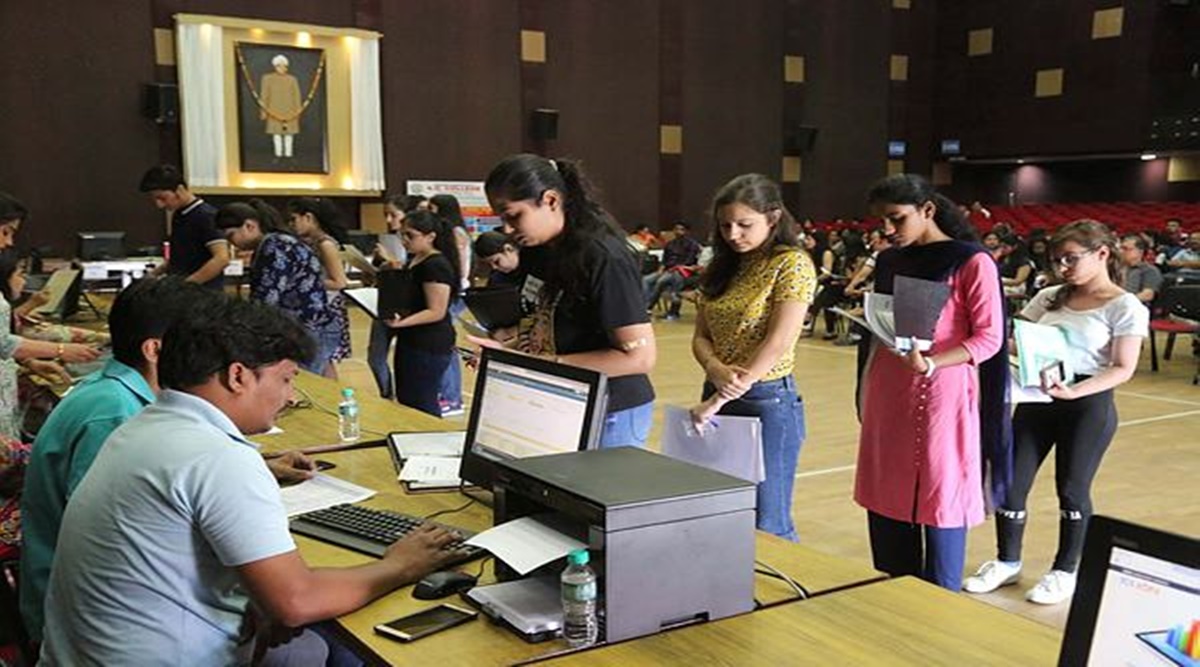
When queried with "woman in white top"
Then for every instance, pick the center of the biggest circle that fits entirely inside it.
(1105, 326)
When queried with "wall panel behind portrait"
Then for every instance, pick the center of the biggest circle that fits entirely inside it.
(282, 115)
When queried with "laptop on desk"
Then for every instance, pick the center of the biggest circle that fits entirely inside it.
(1137, 601)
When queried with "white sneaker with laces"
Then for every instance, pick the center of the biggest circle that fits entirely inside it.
(1054, 587)
(992, 575)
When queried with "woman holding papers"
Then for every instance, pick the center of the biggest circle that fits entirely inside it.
(581, 288)
(315, 221)
(920, 474)
(1104, 327)
(424, 336)
(285, 273)
(754, 296)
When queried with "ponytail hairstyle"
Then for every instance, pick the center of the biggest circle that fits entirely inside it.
(324, 211)
(916, 191)
(237, 213)
(448, 209)
(428, 222)
(1092, 235)
(756, 192)
(526, 177)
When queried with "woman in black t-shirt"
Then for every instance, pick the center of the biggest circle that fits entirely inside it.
(424, 336)
(582, 287)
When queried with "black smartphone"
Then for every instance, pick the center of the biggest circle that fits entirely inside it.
(425, 622)
(1053, 374)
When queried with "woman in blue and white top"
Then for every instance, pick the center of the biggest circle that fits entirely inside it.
(1105, 326)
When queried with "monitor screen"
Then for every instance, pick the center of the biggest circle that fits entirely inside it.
(951, 147)
(95, 246)
(897, 148)
(525, 406)
(1149, 612)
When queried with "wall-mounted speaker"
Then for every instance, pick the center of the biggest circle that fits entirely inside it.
(160, 103)
(543, 124)
(800, 139)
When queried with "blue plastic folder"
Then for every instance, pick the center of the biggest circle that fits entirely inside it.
(732, 445)
(1040, 346)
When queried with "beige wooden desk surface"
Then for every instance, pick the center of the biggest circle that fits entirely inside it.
(478, 642)
(902, 621)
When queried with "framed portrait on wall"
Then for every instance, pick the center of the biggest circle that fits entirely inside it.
(282, 108)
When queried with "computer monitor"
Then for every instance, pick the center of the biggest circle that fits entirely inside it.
(363, 240)
(1137, 599)
(526, 406)
(897, 148)
(951, 147)
(94, 246)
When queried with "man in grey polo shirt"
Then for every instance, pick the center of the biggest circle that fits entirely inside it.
(1143, 280)
(179, 525)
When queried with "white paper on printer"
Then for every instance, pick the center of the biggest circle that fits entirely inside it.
(320, 492)
(525, 544)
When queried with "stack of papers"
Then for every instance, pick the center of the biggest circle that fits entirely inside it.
(321, 492)
(727, 444)
(427, 443)
(431, 472)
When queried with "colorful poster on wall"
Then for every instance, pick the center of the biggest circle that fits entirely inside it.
(477, 213)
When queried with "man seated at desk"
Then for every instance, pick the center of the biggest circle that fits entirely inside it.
(179, 526)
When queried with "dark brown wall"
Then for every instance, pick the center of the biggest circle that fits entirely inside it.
(988, 101)
(1083, 181)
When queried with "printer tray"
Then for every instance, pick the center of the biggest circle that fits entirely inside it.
(532, 608)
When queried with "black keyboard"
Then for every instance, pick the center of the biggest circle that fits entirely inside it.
(372, 531)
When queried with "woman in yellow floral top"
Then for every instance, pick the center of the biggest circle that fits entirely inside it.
(754, 296)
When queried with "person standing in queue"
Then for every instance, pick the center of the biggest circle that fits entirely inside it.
(754, 296)
(929, 417)
(582, 288)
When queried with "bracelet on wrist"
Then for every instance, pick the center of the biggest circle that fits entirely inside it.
(930, 367)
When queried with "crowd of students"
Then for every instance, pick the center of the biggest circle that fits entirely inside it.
(938, 443)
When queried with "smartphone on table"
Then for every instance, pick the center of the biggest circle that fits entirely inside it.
(425, 622)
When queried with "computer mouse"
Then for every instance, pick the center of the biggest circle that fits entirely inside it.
(440, 584)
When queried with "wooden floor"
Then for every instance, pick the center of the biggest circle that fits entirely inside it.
(1147, 475)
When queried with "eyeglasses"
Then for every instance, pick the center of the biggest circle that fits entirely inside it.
(1071, 259)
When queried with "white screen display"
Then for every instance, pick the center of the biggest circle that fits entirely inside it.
(1148, 613)
(526, 413)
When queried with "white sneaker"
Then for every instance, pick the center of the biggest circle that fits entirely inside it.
(992, 575)
(1054, 587)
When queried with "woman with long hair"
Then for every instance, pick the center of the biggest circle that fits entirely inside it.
(1105, 326)
(425, 336)
(754, 295)
(581, 287)
(447, 208)
(927, 417)
(315, 221)
(285, 273)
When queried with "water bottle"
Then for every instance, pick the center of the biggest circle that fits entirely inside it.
(348, 416)
(579, 593)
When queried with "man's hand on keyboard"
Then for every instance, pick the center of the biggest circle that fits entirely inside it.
(425, 549)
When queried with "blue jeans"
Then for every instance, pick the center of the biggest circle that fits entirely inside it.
(781, 412)
(328, 340)
(377, 357)
(627, 428)
(937, 555)
(654, 284)
(450, 385)
(417, 375)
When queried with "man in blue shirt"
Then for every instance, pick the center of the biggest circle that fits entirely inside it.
(179, 525)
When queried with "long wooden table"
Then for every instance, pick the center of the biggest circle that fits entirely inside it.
(479, 642)
(902, 621)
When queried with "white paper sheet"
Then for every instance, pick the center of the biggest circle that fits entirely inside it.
(525, 544)
(320, 492)
(1018, 394)
(427, 443)
(442, 470)
(366, 298)
(732, 445)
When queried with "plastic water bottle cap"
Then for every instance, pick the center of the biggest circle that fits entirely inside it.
(578, 557)
(348, 392)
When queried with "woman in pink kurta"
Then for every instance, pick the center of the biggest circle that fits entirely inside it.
(920, 462)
